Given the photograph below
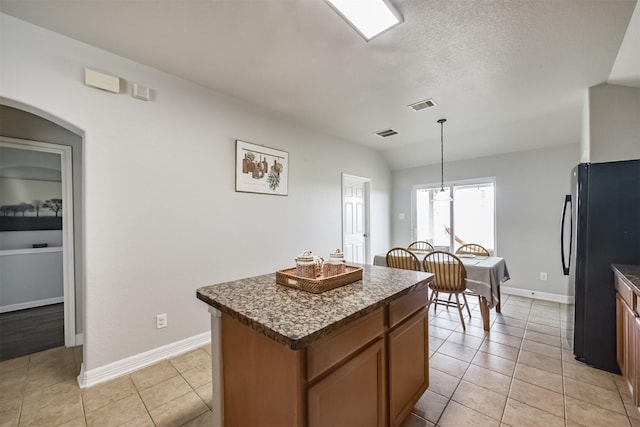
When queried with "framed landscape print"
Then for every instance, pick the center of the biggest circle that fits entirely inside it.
(261, 169)
(27, 204)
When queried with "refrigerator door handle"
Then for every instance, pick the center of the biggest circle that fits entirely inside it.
(565, 263)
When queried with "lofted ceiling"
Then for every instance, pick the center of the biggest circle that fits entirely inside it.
(508, 75)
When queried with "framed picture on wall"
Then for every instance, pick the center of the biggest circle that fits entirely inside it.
(27, 204)
(261, 169)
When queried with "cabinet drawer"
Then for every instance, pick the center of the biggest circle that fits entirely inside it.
(334, 348)
(405, 306)
(626, 293)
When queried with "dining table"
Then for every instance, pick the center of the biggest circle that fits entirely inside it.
(484, 277)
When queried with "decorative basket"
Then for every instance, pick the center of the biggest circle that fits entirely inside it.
(287, 277)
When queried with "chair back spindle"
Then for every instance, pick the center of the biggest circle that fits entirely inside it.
(402, 258)
(473, 249)
(421, 245)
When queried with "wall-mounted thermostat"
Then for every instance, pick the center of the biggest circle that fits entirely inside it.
(101, 81)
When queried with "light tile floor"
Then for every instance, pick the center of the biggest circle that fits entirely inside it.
(42, 390)
(521, 373)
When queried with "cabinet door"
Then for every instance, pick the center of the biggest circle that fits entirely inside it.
(626, 341)
(352, 395)
(636, 394)
(620, 333)
(408, 365)
(630, 347)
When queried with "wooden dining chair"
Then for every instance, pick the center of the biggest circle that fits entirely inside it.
(402, 258)
(472, 249)
(421, 245)
(450, 278)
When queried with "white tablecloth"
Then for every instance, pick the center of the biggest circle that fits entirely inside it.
(484, 275)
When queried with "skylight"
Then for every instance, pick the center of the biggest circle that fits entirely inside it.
(368, 17)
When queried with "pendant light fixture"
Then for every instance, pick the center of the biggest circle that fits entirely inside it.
(442, 195)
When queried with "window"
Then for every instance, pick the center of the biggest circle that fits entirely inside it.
(469, 218)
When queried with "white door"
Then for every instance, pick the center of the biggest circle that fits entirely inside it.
(355, 214)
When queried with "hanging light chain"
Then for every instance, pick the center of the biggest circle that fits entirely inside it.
(441, 121)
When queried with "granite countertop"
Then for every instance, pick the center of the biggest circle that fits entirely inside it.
(296, 318)
(631, 274)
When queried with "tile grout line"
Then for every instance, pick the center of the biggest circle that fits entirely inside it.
(195, 392)
(504, 410)
(146, 408)
(84, 411)
(462, 377)
(564, 396)
(459, 381)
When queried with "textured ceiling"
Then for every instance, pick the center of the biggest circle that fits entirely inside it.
(507, 74)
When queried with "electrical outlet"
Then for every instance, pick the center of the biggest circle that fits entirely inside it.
(161, 321)
(543, 275)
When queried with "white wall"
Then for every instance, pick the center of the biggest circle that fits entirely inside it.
(530, 189)
(585, 140)
(30, 278)
(613, 124)
(25, 239)
(161, 214)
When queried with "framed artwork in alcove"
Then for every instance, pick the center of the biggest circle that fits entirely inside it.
(27, 204)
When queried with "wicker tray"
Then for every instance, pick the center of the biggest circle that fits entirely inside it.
(287, 277)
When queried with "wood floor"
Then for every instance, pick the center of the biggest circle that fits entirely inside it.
(28, 331)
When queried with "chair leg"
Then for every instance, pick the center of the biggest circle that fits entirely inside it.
(466, 304)
(460, 312)
(431, 298)
(435, 301)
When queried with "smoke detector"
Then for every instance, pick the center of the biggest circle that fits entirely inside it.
(421, 105)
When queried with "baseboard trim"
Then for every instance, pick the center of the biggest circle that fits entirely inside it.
(30, 304)
(138, 361)
(545, 296)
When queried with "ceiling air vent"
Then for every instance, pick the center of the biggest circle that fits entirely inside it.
(386, 133)
(427, 103)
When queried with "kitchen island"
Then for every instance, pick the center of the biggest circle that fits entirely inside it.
(355, 355)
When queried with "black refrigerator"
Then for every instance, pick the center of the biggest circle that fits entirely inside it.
(600, 227)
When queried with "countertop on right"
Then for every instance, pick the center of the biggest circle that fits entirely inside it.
(630, 274)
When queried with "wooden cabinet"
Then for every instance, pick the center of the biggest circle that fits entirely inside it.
(625, 341)
(408, 365)
(370, 372)
(636, 329)
(348, 396)
(352, 395)
(620, 332)
(630, 349)
(628, 336)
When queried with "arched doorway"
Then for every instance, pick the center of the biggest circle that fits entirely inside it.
(26, 128)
